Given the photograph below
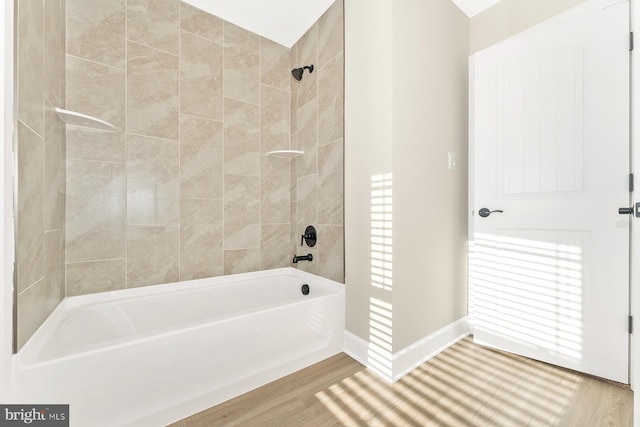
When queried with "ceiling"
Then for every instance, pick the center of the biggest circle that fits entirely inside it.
(290, 19)
(473, 7)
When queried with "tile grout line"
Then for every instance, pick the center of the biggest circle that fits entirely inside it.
(317, 79)
(44, 133)
(196, 34)
(179, 181)
(126, 146)
(148, 46)
(64, 158)
(260, 171)
(224, 144)
(92, 61)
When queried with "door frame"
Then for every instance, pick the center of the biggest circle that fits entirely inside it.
(634, 262)
(634, 359)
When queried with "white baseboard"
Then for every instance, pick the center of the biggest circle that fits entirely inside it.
(393, 367)
(419, 352)
(367, 354)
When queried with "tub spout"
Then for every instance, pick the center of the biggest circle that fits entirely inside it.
(297, 258)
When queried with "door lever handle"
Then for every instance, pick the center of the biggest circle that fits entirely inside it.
(635, 211)
(484, 212)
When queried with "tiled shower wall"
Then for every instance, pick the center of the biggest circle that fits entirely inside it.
(317, 128)
(183, 189)
(40, 163)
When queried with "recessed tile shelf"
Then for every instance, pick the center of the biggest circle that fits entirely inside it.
(290, 154)
(82, 120)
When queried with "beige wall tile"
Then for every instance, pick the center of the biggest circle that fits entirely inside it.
(274, 188)
(293, 173)
(201, 82)
(201, 158)
(97, 276)
(293, 199)
(241, 138)
(152, 255)
(30, 76)
(54, 51)
(152, 92)
(152, 181)
(95, 207)
(154, 23)
(241, 212)
(274, 65)
(201, 236)
(40, 163)
(293, 88)
(274, 119)
(30, 220)
(293, 226)
(210, 151)
(96, 30)
(241, 64)
(307, 202)
(293, 110)
(331, 184)
(330, 34)
(97, 90)
(31, 313)
(35, 303)
(241, 261)
(34, 306)
(307, 55)
(63, 38)
(53, 280)
(201, 23)
(331, 252)
(274, 246)
(331, 101)
(54, 170)
(308, 138)
(62, 259)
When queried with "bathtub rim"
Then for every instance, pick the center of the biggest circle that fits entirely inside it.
(35, 343)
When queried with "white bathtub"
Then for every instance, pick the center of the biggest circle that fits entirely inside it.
(151, 356)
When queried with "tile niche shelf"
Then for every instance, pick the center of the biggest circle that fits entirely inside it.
(82, 120)
(289, 154)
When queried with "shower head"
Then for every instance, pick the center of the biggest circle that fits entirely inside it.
(297, 72)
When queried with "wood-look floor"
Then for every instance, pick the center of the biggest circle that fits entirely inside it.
(466, 385)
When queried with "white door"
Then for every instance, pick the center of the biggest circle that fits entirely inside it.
(549, 276)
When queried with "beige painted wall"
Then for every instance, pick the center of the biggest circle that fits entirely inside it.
(368, 145)
(406, 83)
(406, 107)
(510, 17)
(430, 57)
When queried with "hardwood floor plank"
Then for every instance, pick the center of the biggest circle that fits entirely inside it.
(465, 385)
